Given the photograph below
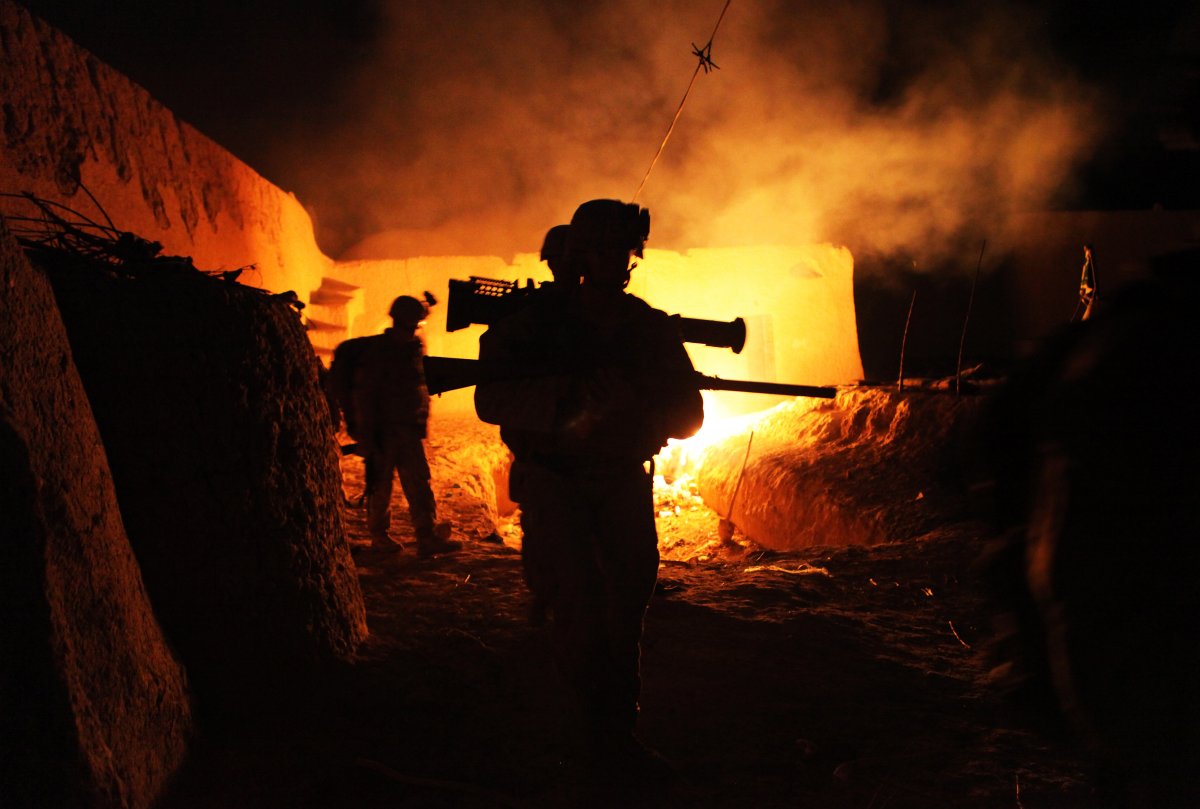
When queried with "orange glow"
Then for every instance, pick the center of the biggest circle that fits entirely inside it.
(797, 303)
(675, 466)
(679, 455)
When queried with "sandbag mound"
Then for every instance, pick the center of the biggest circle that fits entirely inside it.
(207, 398)
(94, 709)
(873, 465)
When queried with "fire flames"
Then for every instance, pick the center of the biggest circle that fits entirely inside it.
(676, 494)
(675, 463)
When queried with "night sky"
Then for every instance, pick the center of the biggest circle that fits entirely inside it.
(336, 101)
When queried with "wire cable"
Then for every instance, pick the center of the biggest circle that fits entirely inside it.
(705, 63)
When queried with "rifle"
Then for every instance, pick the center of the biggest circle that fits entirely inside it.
(449, 373)
(488, 300)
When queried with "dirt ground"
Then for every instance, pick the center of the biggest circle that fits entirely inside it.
(832, 677)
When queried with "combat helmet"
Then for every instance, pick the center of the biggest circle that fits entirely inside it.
(408, 311)
(608, 223)
(554, 246)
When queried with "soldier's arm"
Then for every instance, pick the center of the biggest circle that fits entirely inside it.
(679, 408)
(535, 403)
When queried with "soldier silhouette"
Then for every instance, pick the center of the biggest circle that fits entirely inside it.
(536, 557)
(617, 384)
(379, 384)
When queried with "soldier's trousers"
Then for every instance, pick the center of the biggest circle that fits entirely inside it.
(594, 560)
(401, 453)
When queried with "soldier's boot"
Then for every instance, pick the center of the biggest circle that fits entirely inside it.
(436, 541)
(615, 753)
(383, 541)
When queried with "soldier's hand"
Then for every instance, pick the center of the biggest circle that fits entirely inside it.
(608, 391)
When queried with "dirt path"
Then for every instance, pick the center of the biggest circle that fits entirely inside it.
(839, 677)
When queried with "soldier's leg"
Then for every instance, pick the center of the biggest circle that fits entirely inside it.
(413, 469)
(432, 537)
(536, 560)
(627, 558)
(379, 471)
(554, 512)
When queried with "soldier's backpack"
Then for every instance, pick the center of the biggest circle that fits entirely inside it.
(340, 380)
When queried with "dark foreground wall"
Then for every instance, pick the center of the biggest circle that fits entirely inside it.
(207, 398)
(93, 706)
(1094, 450)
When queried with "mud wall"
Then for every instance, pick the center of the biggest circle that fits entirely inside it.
(94, 709)
(70, 121)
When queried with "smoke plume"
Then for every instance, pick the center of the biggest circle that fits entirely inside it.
(887, 126)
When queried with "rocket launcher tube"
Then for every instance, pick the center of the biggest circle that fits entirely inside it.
(485, 301)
